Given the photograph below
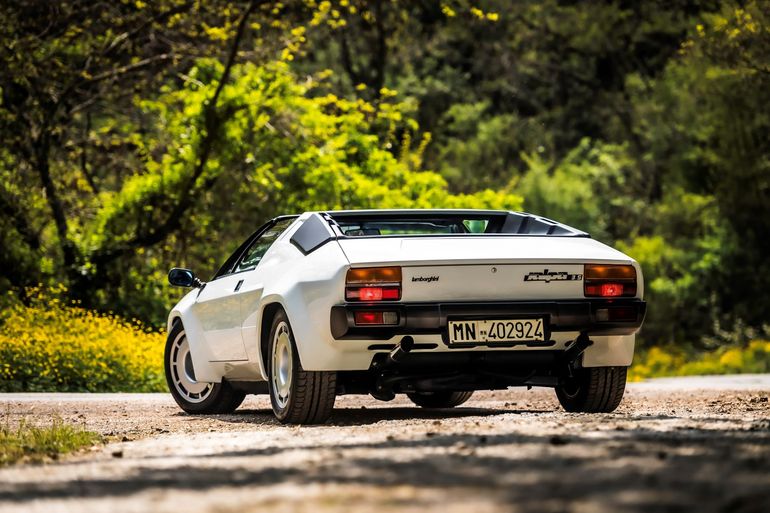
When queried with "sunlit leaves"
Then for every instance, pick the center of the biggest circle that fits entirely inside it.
(282, 148)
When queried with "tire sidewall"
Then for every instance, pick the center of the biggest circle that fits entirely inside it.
(573, 396)
(593, 390)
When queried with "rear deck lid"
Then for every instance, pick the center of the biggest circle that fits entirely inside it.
(484, 268)
(476, 249)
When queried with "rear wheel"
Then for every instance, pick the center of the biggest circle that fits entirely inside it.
(191, 395)
(443, 399)
(297, 396)
(593, 390)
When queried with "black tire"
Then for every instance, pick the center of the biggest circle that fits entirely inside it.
(443, 399)
(593, 390)
(301, 397)
(214, 397)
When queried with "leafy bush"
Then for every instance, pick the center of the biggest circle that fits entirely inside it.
(47, 344)
(586, 189)
(289, 146)
(683, 275)
(658, 362)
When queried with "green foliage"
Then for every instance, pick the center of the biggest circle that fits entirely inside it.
(50, 345)
(681, 265)
(586, 189)
(703, 127)
(285, 147)
(36, 443)
(125, 152)
(659, 362)
(481, 150)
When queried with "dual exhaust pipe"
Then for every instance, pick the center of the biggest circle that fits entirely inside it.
(401, 350)
(397, 355)
(382, 389)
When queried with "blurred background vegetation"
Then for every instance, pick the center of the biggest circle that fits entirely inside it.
(141, 135)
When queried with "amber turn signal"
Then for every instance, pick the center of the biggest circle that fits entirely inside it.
(374, 276)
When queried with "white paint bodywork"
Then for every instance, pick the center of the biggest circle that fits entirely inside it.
(223, 326)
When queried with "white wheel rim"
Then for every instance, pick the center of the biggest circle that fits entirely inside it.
(183, 374)
(281, 371)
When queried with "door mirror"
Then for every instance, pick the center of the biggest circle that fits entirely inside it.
(183, 278)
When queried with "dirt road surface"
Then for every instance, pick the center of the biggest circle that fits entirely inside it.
(685, 444)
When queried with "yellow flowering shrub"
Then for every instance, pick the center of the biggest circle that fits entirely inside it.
(657, 362)
(48, 344)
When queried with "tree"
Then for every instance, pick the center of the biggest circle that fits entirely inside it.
(70, 73)
(178, 138)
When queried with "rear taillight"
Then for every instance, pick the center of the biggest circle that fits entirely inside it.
(363, 318)
(609, 281)
(373, 284)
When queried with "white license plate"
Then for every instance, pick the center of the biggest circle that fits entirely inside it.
(496, 331)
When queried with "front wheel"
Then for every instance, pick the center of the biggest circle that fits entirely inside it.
(593, 390)
(297, 396)
(444, 399)
(191, 395)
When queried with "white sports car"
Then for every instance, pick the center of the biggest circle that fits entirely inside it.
(431, 303)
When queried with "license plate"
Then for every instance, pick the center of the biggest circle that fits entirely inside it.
(496, 331)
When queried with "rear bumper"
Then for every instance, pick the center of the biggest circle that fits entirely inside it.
(585, 315)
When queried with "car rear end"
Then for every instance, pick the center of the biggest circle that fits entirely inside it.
(521, 301)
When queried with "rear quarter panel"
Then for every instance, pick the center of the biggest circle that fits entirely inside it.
(306, 287)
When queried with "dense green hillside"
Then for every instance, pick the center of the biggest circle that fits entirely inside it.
(141, 135)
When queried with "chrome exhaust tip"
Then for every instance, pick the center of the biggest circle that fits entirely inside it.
(401, 350)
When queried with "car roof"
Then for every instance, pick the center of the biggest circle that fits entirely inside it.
(416, 211)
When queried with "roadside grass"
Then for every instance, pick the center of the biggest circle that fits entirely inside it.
(657, 362)
(37, 443)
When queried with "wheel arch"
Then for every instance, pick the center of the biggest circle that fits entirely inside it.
(174, 319)
(183, 316)
(266, 323)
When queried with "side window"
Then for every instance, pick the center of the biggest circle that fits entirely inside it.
(259, 247)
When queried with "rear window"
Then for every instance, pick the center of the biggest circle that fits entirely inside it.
(359, 228)
(384, 223)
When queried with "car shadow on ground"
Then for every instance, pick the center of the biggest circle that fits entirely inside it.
(365, 415)
(369, 415)
(641, 469)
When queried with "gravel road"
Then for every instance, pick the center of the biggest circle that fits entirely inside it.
(684, 444)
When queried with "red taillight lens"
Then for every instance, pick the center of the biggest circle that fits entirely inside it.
(368, 317)
(609, 281)
(616, 314)
(373, 284)
(393, 293)
(370, 294)
(364, 318)
(622, 314)
(611, 289)
(375, 293)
